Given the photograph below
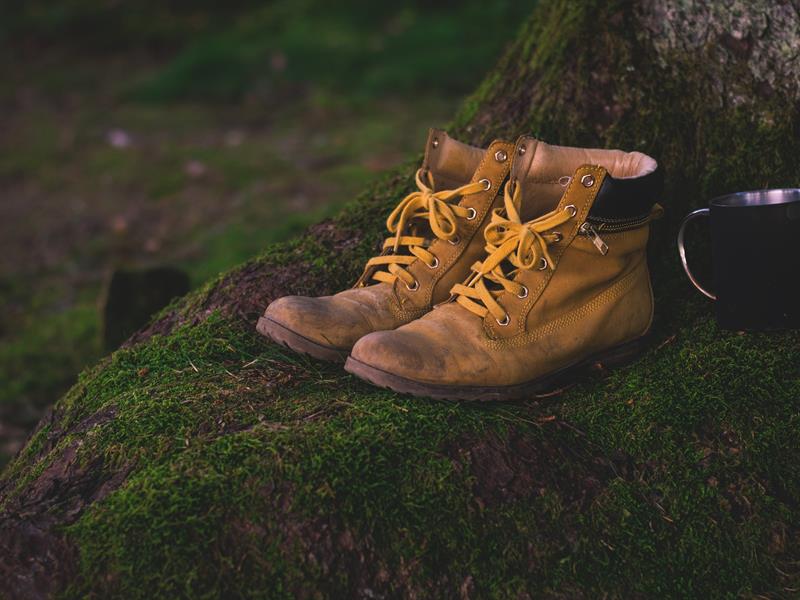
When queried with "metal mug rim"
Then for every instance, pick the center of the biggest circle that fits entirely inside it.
(763, 197)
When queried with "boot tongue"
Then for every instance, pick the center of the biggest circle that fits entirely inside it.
(544, 171)
(452, 163)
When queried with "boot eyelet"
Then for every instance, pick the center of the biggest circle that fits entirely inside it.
(587, 180)
(454, 241)
(487, 185)
(435, 263)
(505, 321)
(559, 237)
(472, 214)
(542, 263)
(413, 287)
(523, 293)
(571, 209)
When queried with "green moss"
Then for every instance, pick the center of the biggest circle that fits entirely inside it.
(696, 520)
(221, 459)
(239, 450)
(324, 440)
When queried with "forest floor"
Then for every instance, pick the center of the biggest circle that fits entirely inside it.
(191, 146)
(203, 462)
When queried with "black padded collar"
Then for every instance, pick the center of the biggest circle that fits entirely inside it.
(628, 198)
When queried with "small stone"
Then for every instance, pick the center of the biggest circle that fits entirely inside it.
(234, 138)
(194, 169)
(278, 62)
(119, 224)
(118, 138)
(152, 245)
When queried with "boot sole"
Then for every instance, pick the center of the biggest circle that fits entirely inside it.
(543, 386)
(299, 343)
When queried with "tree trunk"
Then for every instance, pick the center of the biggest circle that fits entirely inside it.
(201, 460)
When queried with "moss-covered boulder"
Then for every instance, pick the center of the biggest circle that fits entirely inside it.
(201, 461)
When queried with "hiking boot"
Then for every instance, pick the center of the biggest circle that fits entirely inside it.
(563, 285)
(436, 235)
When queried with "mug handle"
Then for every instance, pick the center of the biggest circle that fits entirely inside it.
(702, 212)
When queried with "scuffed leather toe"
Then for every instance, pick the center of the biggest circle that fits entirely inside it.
(391, 351)
(430, 350)
(321, 320)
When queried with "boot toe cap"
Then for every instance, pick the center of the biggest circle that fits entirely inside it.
(390, 351)
(405, 354)
(440, 349)
(318, 319)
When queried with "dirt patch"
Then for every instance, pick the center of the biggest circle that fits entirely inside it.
(245, 292)
(53, 422)
(248, 291)
(35, 559)
(34, 562)
(67, 486)
(326, 547)
(520, 466)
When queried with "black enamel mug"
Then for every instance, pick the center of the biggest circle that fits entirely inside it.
(755, 259)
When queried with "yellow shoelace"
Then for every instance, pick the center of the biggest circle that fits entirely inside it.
(442, 217)
(523, 245)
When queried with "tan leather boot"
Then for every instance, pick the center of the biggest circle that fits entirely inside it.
(436, 235)
(557, 291)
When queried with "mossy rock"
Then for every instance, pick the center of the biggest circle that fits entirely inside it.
(202, 461)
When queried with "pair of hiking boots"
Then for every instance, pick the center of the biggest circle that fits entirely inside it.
(508, 270)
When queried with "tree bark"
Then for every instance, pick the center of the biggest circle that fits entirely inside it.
(152, 477)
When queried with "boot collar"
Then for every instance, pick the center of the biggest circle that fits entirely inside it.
(451, 162)
(631, 186)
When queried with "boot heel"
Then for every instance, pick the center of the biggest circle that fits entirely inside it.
(624, 354)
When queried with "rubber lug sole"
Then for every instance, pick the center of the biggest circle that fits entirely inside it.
(537, 388)
(298, 343)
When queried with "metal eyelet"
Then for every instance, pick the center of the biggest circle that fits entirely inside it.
(454, 241)
(542, 263)
(587, 180)
(506, 320)
(523, 294)
(413, 287)
(501, 156)
(435, 143)
(435, 263)
(487, 185)
(472, 214)
(521, 150)
(559, 237)
(564, 180)
(572, 210)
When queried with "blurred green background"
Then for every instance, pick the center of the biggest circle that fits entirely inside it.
(193, 134)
